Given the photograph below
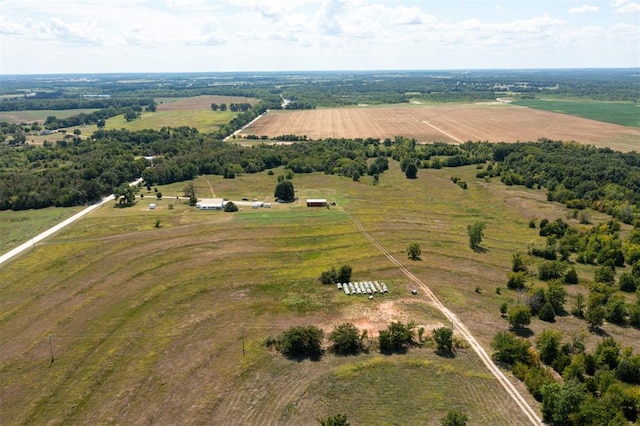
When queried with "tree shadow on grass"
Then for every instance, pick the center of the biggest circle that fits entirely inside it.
(524, 332)
(480, 249)
(300, 357)
(446, 354)
(599, 332)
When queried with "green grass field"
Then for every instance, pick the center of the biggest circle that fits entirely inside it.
(623, 113)
(39, 115)
(147, 322)
(18, 227)
(205, 121)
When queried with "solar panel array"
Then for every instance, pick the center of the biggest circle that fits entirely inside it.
(363, 288)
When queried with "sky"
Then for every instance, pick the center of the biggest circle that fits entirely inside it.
(107, 36)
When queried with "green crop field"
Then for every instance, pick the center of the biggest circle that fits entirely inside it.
(159, 315)
(623, 113)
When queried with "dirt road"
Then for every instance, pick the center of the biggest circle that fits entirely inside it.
(463, 330)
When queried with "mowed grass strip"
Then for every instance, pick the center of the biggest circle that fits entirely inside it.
(623, 113)
(148, 322)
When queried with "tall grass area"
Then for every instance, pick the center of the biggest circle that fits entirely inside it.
(18, 227)
(623, 113)
(158, 315)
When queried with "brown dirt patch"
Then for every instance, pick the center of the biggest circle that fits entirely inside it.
(447, 124)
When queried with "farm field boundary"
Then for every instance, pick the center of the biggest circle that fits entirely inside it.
(487, 122)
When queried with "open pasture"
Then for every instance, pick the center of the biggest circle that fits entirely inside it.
(40, 115)
(199, 102)
(452, 124)
(148, 323)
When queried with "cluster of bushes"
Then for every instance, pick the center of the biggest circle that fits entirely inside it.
(346, 339)
(597, 388)
(333, 275)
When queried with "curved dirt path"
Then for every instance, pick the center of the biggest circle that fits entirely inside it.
(462, 329)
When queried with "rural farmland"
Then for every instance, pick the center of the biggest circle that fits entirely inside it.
(451, 124)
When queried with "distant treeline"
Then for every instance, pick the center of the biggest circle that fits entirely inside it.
(29, 104)
(79, 171)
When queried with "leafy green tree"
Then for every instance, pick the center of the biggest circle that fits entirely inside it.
(159, 195)
(561, 401)
(476, 234)
(607, 353)
(125, 194)
(346, 339)
(516, 280)
(628, 282)
(414, 251)
(443, 337)
(230, 207)
(605, 274)
(556, 295)
(334, 420)
(571, 277)
(615, 310)
(517, 263)
(551, 270)
(344, 274)
(578, 307)
(594, 316)
(411, 172)
(519, 316)
(330, 276)
(301, 342)
(546, 312)
(454, 418)
(396, 338)
(509, 349)
(548, 345)
(284, 191)
(189, 191)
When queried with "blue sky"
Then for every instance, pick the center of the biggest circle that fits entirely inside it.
(93, 36)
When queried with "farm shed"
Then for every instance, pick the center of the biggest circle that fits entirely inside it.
(210, 204)
(316, 202)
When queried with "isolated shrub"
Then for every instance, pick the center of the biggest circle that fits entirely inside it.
(503, 309)
(516, 280)
(396, 338)
(346, 340)
(301, 342)
(334, 420)
(556, 295)
(519, 316)
(454, 418)
(159, 195)
(536, 299)
(634, 316)
(476, 234)
(594, 316)
(571, 277)
(627, 282)
(548, 345)
(230, 207)
(443, 336)
(517, 263)
(604, 274)
(615, 310)
(547, 313)
(551, 270)
(414, 251)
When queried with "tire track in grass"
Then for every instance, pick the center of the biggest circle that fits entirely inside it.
(462, 329)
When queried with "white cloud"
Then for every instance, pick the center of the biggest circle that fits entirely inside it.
(587, 8)
(209, 35)
(626, 6)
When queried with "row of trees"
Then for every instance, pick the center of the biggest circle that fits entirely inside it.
(233, 107)
(346, 339)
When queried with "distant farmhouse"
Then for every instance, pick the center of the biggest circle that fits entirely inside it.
(316, 202)
(210, 204)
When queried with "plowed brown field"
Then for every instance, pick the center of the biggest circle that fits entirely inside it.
(494, 123)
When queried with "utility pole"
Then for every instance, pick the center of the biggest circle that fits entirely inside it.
(51, 349)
